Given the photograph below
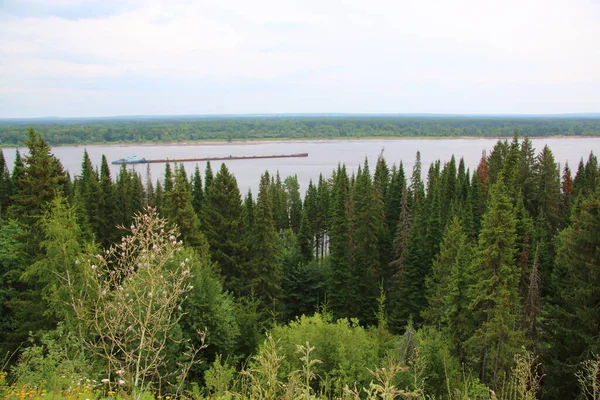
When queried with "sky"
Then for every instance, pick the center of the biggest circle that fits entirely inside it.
(78, 58)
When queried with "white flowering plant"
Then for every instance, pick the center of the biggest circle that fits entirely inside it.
(130, 306)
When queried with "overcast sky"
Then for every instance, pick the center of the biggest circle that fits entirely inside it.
(76, 58)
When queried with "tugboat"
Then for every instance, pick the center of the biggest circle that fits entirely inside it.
(130, 160)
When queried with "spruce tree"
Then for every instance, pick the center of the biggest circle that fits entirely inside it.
(322, 216)
(264, 272)
(224, 229)
(367, 272)
(571, 331)
(179, 211)
(447, 288)
(342, 285)
(5, 187)
(495, 298)
(293, 202)
(109, 213)
(197, 191)
(40, 180)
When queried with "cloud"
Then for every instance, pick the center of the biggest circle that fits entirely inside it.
(284, 56)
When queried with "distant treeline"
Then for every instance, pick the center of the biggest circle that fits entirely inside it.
(187, 128)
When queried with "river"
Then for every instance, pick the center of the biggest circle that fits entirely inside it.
(323, 155)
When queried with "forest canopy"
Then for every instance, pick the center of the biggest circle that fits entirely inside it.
(376, 284)
(64, 131)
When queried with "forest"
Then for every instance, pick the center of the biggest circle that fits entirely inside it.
(70, 131)
(374, 284)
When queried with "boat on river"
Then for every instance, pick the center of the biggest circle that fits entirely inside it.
(130, 160)
(137, 160)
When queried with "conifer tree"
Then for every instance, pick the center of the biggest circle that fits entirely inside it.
(17, 173)
(567, 192)
(495, 298)
(41, 179)
(526, 179)
(108, 233)
(208, 177)
(149, 200)
(449, 191)
(89, 191)
(293, 202)
(265, 273)
(394, 198)
(180, 212)
(197, 192)
(572, 314)
(322, 216)
(547, 195)
(311, 209)
(5, 186)
(368, 220)
(342, 285)
(223, 227)
(248, 211)
(448, 302)
(168, 179)
(305, 237)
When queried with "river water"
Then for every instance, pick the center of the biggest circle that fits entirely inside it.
(323, 155)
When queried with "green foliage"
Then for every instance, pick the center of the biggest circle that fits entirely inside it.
(56, 364)
(171, 129)
(494, 294)
(345, 349)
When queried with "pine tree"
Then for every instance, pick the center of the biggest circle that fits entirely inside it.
(495, 299)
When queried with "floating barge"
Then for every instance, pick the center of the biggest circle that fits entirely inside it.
(137, 160)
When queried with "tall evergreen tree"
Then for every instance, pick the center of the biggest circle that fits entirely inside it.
(447, 288)
(224, 229)
(265, 273)
(293, 202)
(5, 187)
(572, 314)
(197, 191)
(342, 285)
(322, 216)
(109, 212)
(495, 299)
(41, 179)
(179, 211)
(367, 272)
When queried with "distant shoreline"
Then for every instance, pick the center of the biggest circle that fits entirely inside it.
(250, 142)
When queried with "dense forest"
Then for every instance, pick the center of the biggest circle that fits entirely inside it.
(479, 284)
(62, 131)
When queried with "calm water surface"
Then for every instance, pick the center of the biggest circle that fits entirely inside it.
(324, 155)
